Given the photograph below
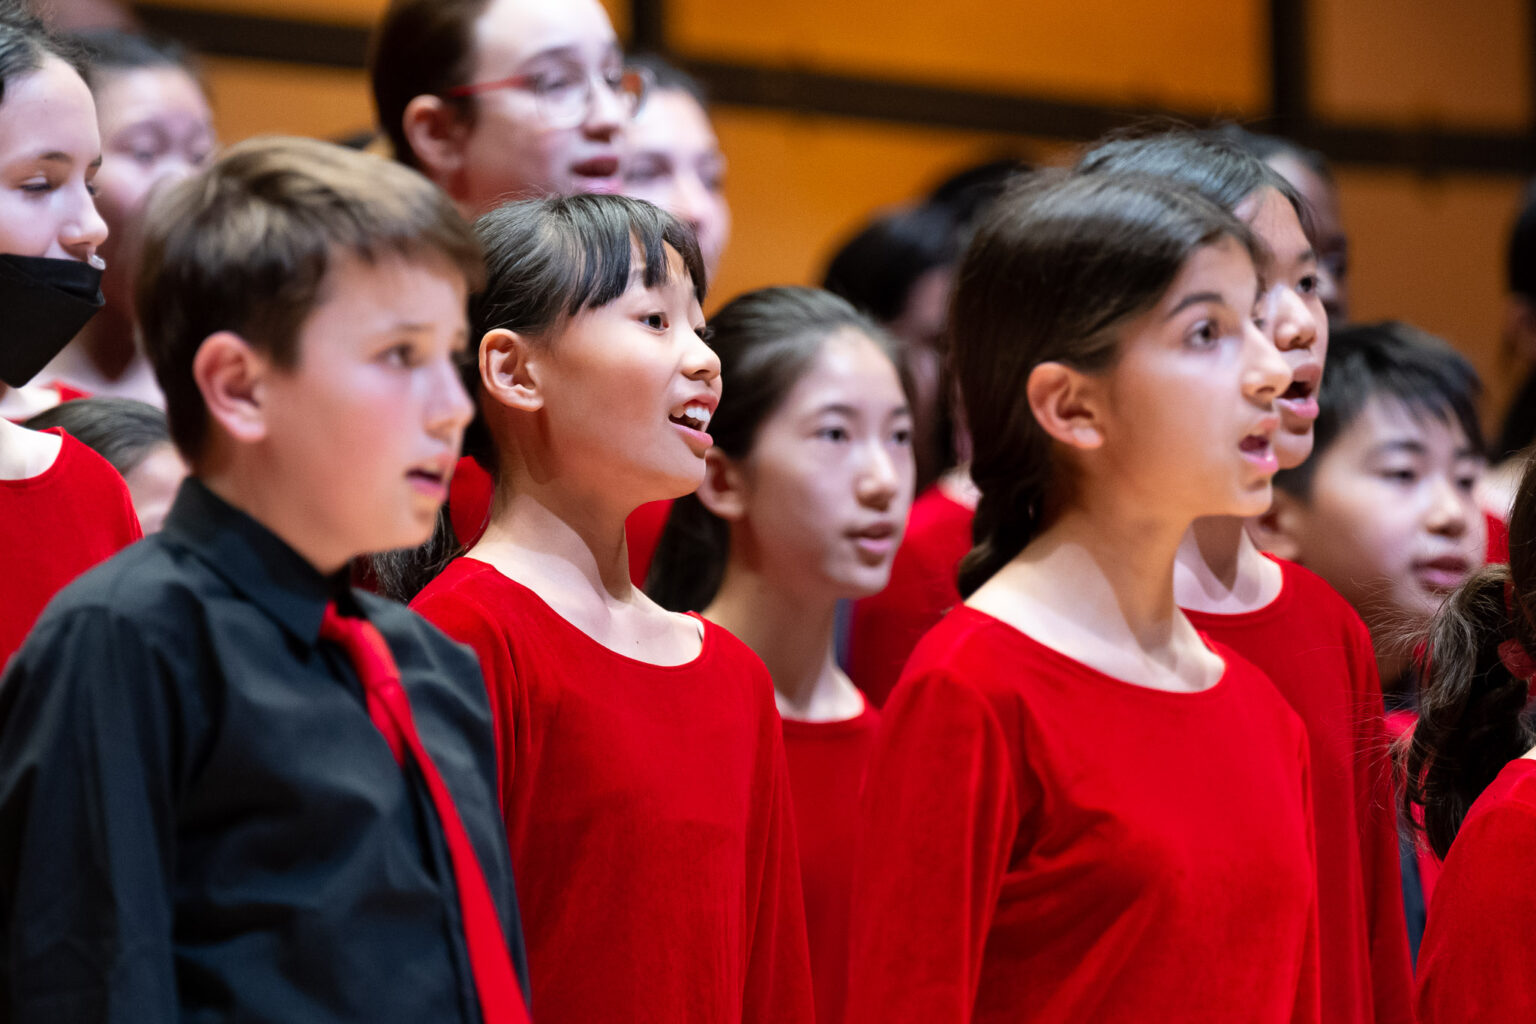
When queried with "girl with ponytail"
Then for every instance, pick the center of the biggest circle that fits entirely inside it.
(1471, 766)
(642, 773)
(803, 503)
(1079, 808)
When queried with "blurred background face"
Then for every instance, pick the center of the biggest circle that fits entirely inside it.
(156, 128)
(152, 485)
(522, 142)
(675, 162)
(830, 476)
(1322, 197)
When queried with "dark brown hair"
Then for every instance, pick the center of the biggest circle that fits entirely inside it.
(546, 261)
(421, 48)
(1056, 269)
(767, 340)
(1472, 719)
(245, 246)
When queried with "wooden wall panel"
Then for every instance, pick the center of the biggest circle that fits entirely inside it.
(1424, 62)
(1431, 251)
(252, 97)
(1202, 55)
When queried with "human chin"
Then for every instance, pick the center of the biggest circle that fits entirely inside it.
(1293, 448)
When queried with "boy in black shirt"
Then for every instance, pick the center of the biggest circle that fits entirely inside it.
(215, 803)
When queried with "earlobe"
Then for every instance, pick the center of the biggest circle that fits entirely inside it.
(231, 376)
(1276, 530)
(435, 133)
(723, 491)
(509, 370)
(1062, 401)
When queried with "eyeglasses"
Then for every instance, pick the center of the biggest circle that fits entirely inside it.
(563, 93)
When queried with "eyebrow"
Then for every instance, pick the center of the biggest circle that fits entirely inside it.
(1402, 444)
(1194, 300)
(844, 409)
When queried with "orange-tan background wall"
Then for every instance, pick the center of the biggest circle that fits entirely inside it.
(1426, 247)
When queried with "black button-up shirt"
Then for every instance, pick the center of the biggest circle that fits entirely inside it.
(198, 819)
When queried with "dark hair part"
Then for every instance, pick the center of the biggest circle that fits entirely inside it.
(1057, 268)
(1472, 718)
(546, 261)
(668, 76)
(1268, 147)
(247, 246)
(767, 341)
(112, 51)
(969, 191)
(421, 48)
(1394, 361)
(25, 43)
(877, 268)
(121, 430)
(1204, 161)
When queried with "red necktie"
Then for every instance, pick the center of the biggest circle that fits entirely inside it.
(501, 1000)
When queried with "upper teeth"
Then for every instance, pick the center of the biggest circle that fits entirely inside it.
(698, 413)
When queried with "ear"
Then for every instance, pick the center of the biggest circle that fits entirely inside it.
(436, 134)
(1064, 402)
(509, 370)
(1519, 327)
(724, 490)
(231, 376)
(1278, 530)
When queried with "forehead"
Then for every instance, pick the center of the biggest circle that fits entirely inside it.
(848, 369)
(1386, 420)
(510, 32)
(49, 110)
(1274, 221)
(133, 94)
(671, 119)
(360, 298)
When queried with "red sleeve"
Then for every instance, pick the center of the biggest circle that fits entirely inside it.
(778, 982)
(1474, 963)
(940, 817)
(469, 624)
(1380, 870)
(1309, 994)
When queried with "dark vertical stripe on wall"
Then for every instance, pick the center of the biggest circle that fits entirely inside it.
(648, 25)
(1289, 66)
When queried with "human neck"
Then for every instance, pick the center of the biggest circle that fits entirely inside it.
(793, 635)
(570, 541)
(1097, 586)
(107, 346)
(1218, 569)
(242, 485)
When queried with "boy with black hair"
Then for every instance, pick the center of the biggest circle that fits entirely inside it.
(1385, 511)
(230, 787)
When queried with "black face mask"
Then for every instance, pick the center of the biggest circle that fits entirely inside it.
(43, 303)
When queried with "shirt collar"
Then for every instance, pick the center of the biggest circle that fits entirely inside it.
(254, 561)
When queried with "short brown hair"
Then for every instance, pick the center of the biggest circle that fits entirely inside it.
(245, 246)
(421, 48)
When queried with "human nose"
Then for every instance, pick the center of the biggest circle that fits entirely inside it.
(83, 231)
(449, 409)
(1290, 321)
(606, 112)
(1451, 508)
(1266, 374)
(880, 477)
(700, 362)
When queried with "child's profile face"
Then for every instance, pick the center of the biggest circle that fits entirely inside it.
(1322, 198)
(827, 485)
(363, 433)
(49, 150)
(156, 128)
(1390, 521)
(514, 149)
(675, 162)
(1294, 319)
(1189, 416)
(628, 390)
